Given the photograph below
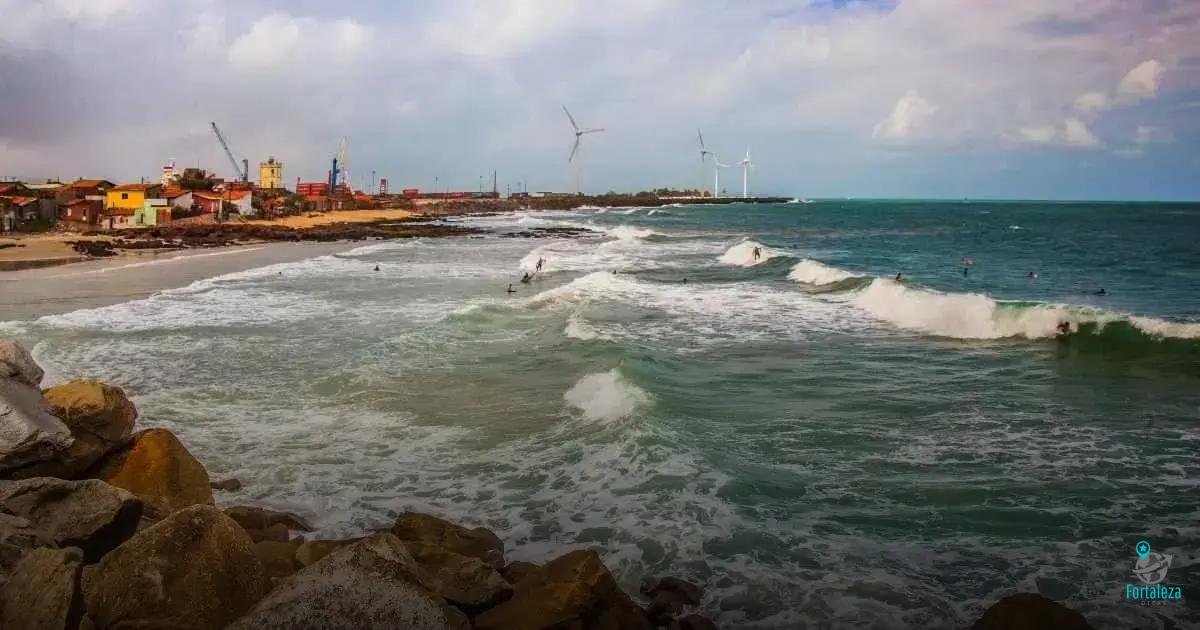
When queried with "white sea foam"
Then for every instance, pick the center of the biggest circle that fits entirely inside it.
(1160, 328)
(629, 232)
(578, 328)
(813, 272)
(964, 315)
(742, 254)
(606, 396)
(172, 259)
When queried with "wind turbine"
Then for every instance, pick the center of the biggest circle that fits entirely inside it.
(575, 148)
(704, 152)
(745, 163)
(717, 166)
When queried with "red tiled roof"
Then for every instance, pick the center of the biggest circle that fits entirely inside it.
(172, 193)
(137, 187)
(88, 183)
(122, 212)
(20, 201)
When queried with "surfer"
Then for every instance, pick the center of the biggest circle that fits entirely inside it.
(526, 278)
(757, 253)
(510, 289)
(540, 262)
(1101, 292)
(899, 277)
(1064, 328)
(965, 271)
(1032, 275)
(376, 267)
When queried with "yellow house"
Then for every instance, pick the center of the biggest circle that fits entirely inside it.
(131, 196)
(270, 173)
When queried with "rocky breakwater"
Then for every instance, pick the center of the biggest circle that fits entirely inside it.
(102, 526)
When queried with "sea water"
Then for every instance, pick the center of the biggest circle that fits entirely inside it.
(815, 442)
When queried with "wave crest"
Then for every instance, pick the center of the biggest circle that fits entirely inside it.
(742, 254)
(814, 272)
(605, 396)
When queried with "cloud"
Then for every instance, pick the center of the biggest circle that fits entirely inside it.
(909, 117)
(1141, 82)
(280, 42)
(1077, 134)
(1092, 102)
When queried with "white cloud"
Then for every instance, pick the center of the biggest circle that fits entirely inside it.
(1037, 135)
(1092, 102)
(1077, 134)
(1141, 82)
(909, 117)
(280, 42)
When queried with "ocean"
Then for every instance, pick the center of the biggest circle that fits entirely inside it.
(818, 444)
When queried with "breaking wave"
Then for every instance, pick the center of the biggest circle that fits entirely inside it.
(605, 396)
(742, 254)
(817, 273)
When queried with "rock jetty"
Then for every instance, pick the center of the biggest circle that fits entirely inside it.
(106, 526)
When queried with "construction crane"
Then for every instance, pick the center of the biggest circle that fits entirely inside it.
(243, 170)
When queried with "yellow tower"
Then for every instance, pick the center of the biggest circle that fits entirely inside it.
(270, 173)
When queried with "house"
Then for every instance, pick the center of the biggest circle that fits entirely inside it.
(179, 198)
(81, 214)
(131, 196)
(154, 212)
(17, 210)
(117, 218)
(84, 188)
(210, 202)
(50, 196)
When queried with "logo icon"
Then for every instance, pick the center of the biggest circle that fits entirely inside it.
(1150, 567)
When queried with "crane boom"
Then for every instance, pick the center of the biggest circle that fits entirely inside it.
(241, 173)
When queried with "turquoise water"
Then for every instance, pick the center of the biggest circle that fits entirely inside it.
(818, 444)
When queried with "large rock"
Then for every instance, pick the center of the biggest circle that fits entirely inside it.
(90, 514)
(374, 583)
(311, 551)
(251, 518)
(479, 542)
(159, 469)
(573, 590)
(668, 598)
(29, 432)
(1030, 611)
(17, 537)
(17, 364)
(194, 569)
(100, 418)
(692, 622)
(465, 581)
(278, 558)
(43, 591)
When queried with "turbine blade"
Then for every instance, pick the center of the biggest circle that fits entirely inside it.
(592, 130)
(574, 149)
(701, 137)
(571, 118)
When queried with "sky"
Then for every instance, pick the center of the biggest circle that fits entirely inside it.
(1030, 99)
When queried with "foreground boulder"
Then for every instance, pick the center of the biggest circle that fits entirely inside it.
(374, 583)
(668, 598)
(311, 551)
(17, 537)
(29, 432)
(159, 469)
(100, 418)
(43, 591)
(573, 590)
(265, 524)
(465, 581)
(17, 364)
(90, 514)
(478, 543)
(1030, 611)
(194, 569)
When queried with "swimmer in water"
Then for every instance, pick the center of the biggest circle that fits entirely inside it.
(1032, 275)
(526, 278)
(1064, 328)
(510, 289)
(376, 267)
(1101, 292)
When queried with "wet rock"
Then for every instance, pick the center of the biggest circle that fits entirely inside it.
(278, 558)
(311, 551)
(227, 485)
(692, 622)
(159, 469)
(514, 572)
(29, 432)
(575, 589)
(478, 543)
(251, 518)
(465, 581)
(1030, 611)
(43, 591)
(17, 537)
(100, 418)
(90, 514)
(194, 569)
(374, 583)
(668, 598)
(277, 532)
(17, 364)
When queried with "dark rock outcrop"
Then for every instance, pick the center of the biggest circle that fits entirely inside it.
(374, 583)
(194, 569)
(17, 537)
(465, 581)
(478, 543)
(669, 596)
(257, 518)
(43, 591)
(692, 622)
(29, 432)
(278, 558)
(227, 485)
(90, 514)
(100, 418)
(1030, 611)
(311, 551)
(573, 590)
(159, 469)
